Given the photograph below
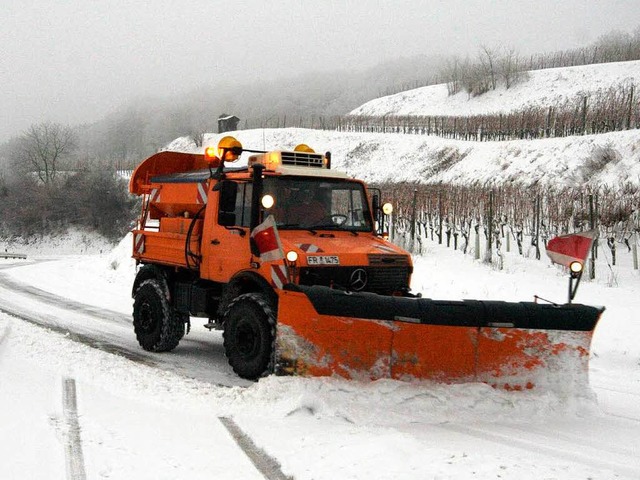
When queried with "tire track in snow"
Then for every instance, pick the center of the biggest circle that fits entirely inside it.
(266, 465)
(193, 360)
(5, 329)
(65, 303)
(74, 458)
(78, 337)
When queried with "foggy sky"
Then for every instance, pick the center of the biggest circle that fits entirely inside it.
(73, 61)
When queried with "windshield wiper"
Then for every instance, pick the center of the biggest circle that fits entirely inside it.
(336, 227)
(298, 226)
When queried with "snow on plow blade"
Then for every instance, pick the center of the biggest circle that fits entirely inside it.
(322, 331)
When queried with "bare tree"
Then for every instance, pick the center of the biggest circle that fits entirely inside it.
(453, 72)
(475, 80)
(43, 148)
(511, 68)
(197, 137)
(488, 58)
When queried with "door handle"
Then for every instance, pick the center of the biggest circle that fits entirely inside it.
(215, 241)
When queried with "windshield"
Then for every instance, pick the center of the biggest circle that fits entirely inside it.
(314, 203)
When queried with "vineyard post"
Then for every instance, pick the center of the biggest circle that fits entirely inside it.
(453, 224)
(584, 115)
(535, 241)
(630, 108)
(477, 228)
(392, 223)
(489, 229)
(611, 243)
(413, 218)
(440, 213)
(635, 251)
(592, 261)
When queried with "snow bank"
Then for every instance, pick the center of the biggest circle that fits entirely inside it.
(73, 242)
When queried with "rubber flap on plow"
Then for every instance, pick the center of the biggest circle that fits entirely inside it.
(322, 332)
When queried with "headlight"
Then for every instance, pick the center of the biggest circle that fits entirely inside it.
(292, 256)
(387, 209)
(575, 267)
(268, 201)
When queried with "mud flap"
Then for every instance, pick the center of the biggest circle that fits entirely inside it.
(365, 336)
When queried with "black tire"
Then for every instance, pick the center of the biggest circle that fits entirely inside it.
(249, 335)
(181, 319)
(158, 328)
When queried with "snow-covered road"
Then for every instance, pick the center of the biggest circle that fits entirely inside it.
(201, 355)
(157, 416)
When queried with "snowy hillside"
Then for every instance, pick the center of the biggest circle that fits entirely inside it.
(397, 157)
(608, 159)
(544, 88)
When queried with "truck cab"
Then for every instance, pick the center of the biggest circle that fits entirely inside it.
(210, 233)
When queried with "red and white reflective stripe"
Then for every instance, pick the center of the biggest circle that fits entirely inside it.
(201, 197)
(309, 248)
(138, 243)
(154, 196)
(278, 276)
(385, 248)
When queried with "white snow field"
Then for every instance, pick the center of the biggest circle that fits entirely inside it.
(80, 399)
(143, 415)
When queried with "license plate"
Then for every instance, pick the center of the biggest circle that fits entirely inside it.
(323, 260)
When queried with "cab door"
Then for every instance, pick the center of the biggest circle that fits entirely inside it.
(229, 248)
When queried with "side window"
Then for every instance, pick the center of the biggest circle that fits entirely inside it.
(235, 204)
(243, 205)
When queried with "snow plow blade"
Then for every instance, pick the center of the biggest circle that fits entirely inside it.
(364, 336)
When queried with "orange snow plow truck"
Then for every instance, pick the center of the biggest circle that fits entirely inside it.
(288, 258)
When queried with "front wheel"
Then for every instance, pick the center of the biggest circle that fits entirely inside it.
(158, 328)
(249, 333)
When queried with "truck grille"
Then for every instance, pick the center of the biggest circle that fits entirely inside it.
(382, 280)
(302, 159)
(382, 260)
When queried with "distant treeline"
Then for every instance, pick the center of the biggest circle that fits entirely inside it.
(93, 200)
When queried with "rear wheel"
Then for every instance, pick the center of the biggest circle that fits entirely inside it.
(158, 328)
(249, 333)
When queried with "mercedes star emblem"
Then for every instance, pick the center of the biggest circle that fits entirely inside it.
(358, 279)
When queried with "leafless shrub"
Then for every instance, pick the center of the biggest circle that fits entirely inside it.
(445, 158)
(601, 156)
